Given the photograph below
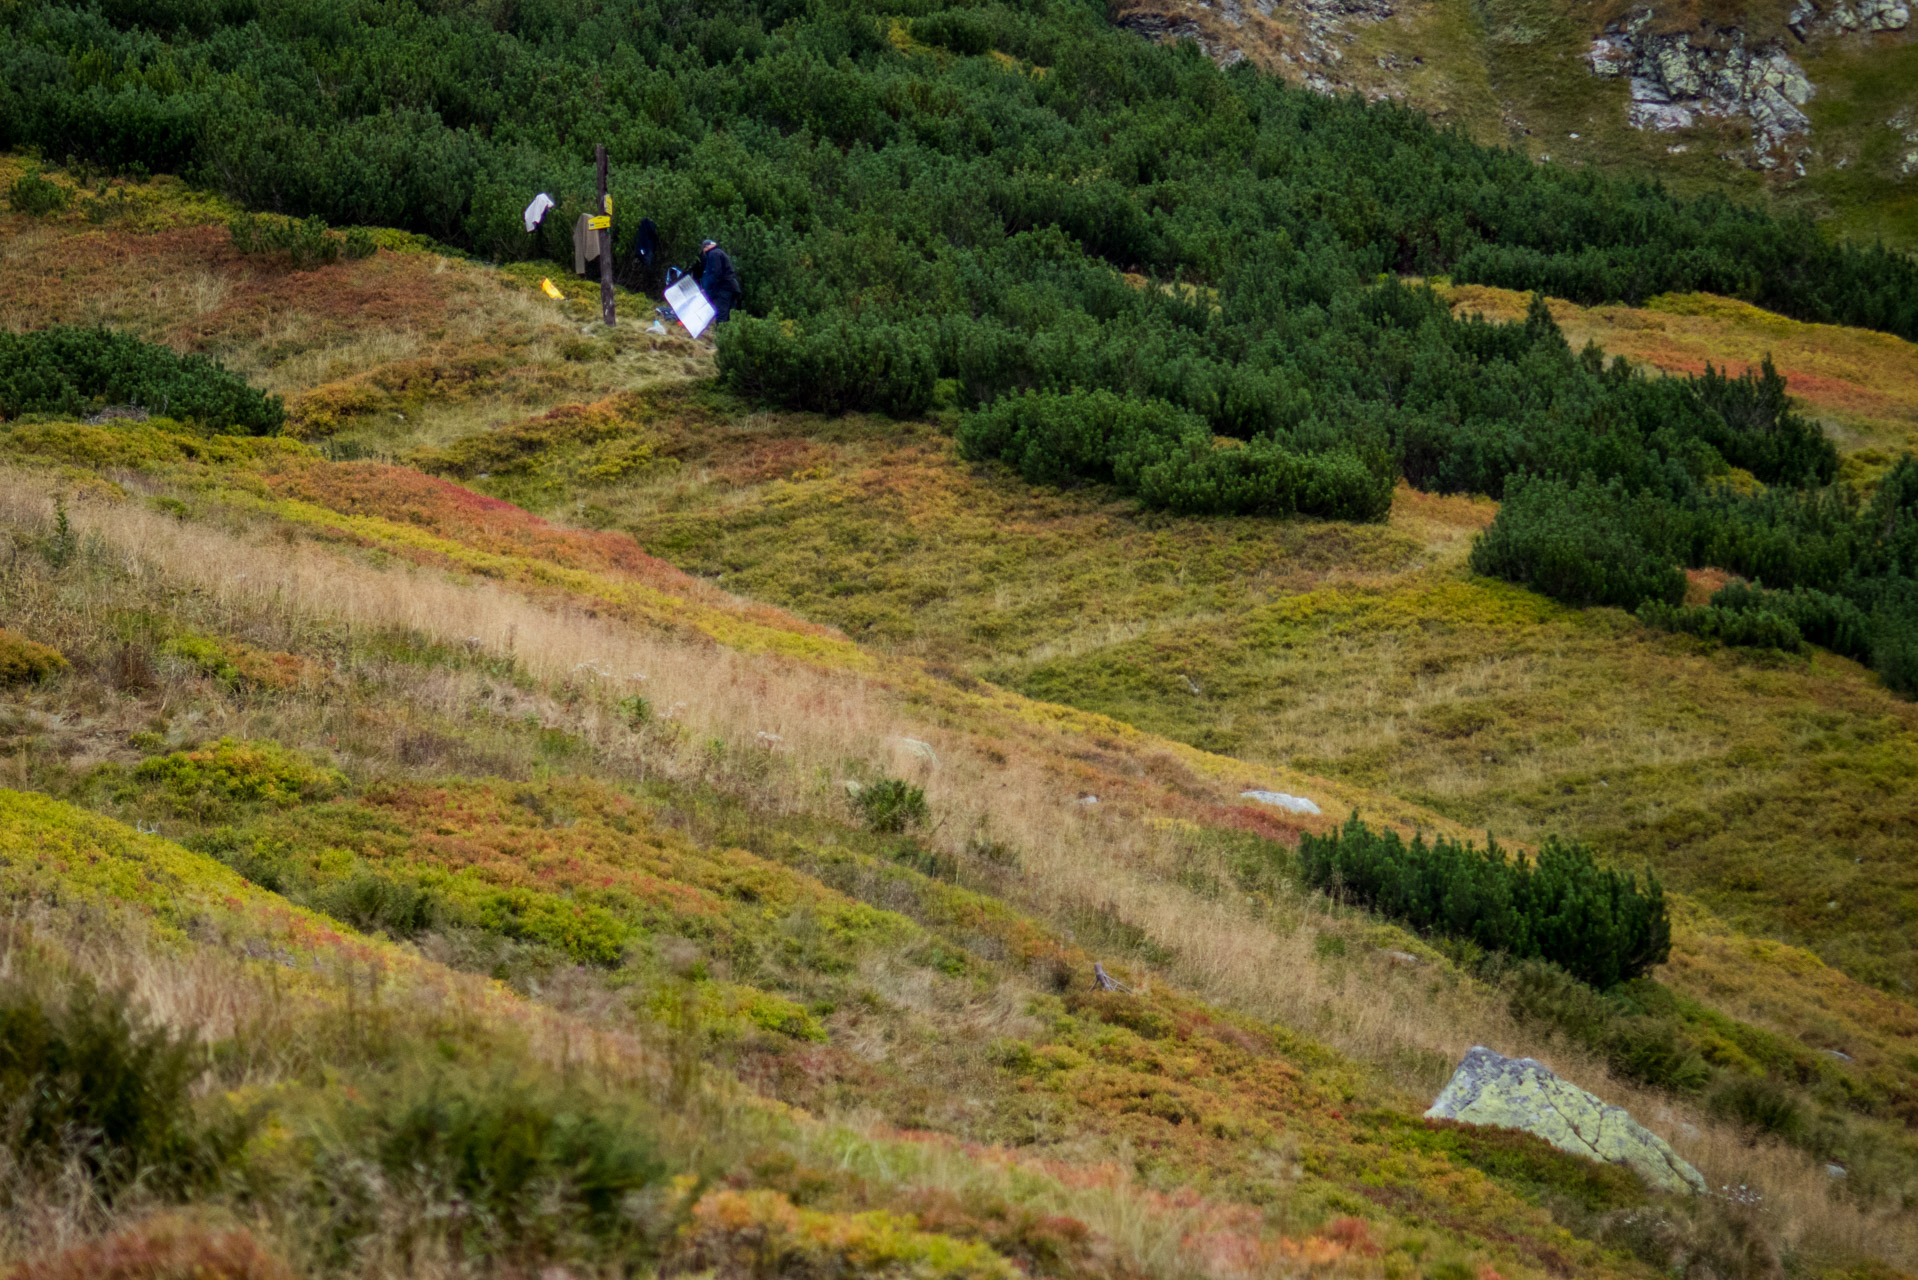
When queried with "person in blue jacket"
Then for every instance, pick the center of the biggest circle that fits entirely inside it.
(718, 280)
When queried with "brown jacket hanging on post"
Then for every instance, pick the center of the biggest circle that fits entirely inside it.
(585, 245)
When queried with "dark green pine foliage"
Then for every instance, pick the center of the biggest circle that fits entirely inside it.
(1826, 565)
(74, 371)
(944, 189)
(1597, 924)
(1168, 457)
(1044, 212)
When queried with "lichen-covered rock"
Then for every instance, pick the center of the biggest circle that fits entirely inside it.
(1849, 15)
(1520, 1093)
(1675, 82)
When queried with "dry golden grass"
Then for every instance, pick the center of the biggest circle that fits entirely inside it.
(993, 773)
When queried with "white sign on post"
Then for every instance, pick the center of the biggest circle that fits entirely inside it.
(690, 305)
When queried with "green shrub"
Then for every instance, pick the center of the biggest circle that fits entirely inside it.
(890, 805)
(33, 194)
(586, 933)
(375, 903)
(636, 710)
(66, 370)
(211, 778)
(498, 1170)
(205, 653)
(1170, 459)
(1596, 924)
(90, 1079)
(834, 364)
(24, 661)
(1651, 1049)
(1583, 543)
(1591, 543)
(1749, 628)
(307, 242)
(1818, 616)
(1760, 1104)
(1894, 649)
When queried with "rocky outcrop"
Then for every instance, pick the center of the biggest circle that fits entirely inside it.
(1302, 40)
(1520, 1093)
(1677, 79)
(1676, 82)
(1845, 16)
(1908, 164)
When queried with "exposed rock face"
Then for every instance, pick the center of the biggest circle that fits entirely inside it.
(1520, 1093)
(1674, 82)
(1303, 40)
(1849, 15)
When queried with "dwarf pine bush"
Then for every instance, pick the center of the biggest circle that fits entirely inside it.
(1838, 570)
(891, 805)
(1819, 616)
(72, 371)
(307, 242)
(833, 363)
(498, 1169)
(35, 195)
(1596, 924)
(1584, 543)
(1169, 458)
(1748, 628)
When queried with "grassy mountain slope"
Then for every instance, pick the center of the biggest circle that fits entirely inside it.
(596, 802)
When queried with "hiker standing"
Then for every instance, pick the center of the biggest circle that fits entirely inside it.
(718, 280)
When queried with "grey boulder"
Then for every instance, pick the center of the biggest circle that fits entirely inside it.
(1521, 1093)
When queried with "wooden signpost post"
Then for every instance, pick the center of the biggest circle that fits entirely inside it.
(605, 241)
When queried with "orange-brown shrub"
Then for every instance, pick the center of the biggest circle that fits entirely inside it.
(167, 1247)
(23, 661)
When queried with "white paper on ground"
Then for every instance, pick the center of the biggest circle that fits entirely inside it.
(690, 305)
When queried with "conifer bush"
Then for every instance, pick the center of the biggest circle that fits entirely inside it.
(1748, 628)
(307, 242)
(33, 194)
(1838, 570)
(498, 1169)
(1598, 925)
(1169, 458)
(1819, 616)
(834, 365)
(72, 371)
(1584, 543)
(891, 805)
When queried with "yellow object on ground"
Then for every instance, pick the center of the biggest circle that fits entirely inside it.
(550, 289)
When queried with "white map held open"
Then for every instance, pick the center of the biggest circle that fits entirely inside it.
(690, 305)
